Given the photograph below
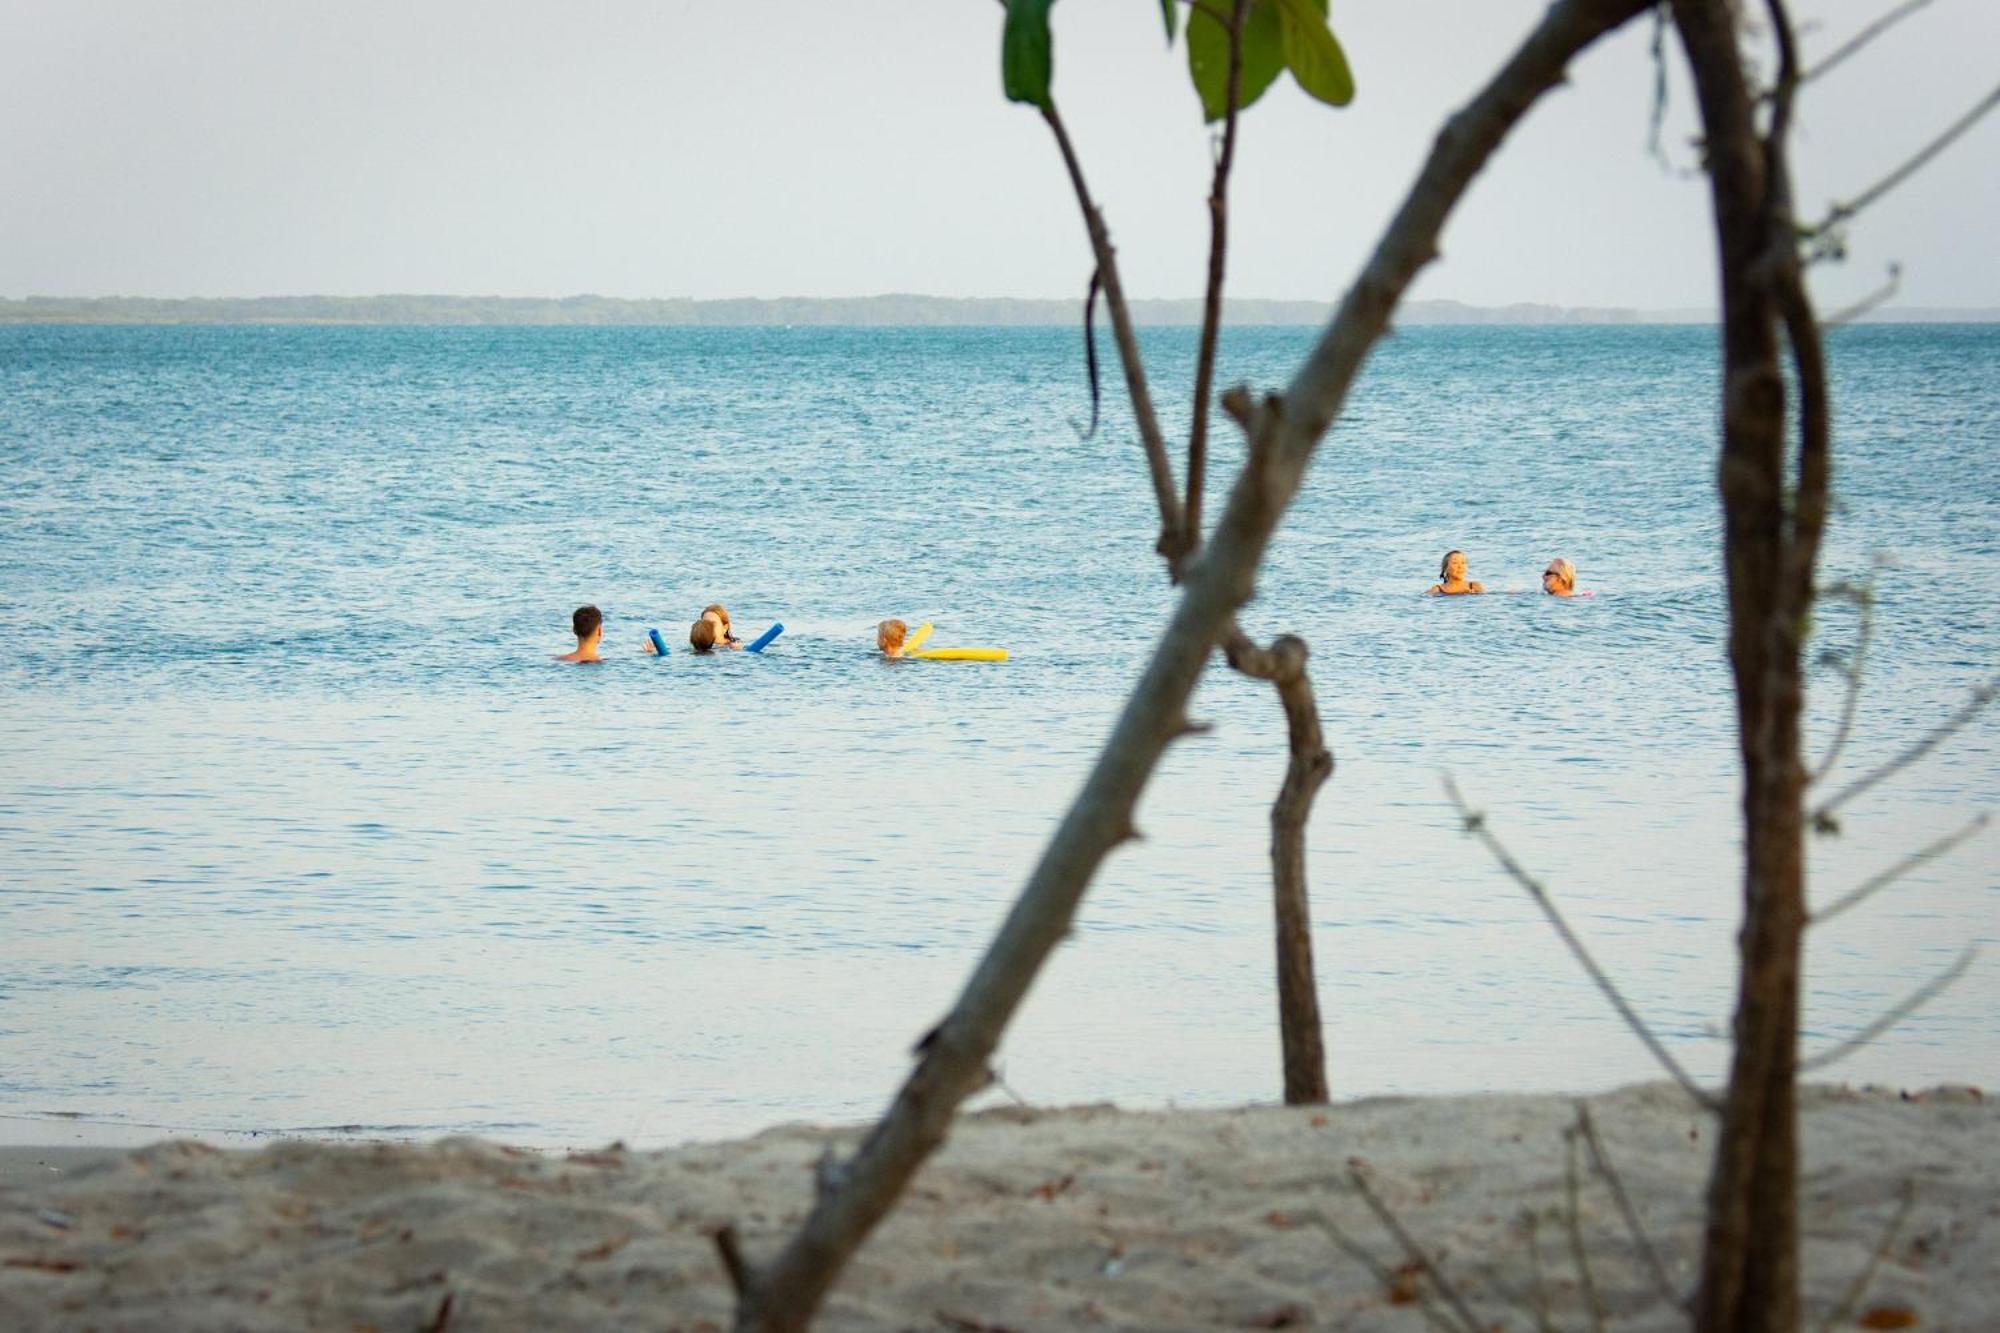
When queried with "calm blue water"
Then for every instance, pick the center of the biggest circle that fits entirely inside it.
(299, 827)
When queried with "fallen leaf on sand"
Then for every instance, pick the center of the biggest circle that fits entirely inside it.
(1289, 1315)
(1890, 1316)
(1049, 1189)
(604, 1251)
(1280, 1220)
(1403, 1285)
(45, 1265)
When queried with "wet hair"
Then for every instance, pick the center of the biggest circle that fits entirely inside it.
(889, 635)
(721, 612)
(1563, 570)
(702, 635)
(586, 621)
(1444, 565)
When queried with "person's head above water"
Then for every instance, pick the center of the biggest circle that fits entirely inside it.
(587, 622)
(889, 637)
(1451, 575)
(703, 635)
(720, 614)
(1559, 579)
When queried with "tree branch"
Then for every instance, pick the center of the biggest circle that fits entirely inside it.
(1916, 1000)
(1874, 884)
(784, 1294)
(1825, 239)
(1863, 597)
(1837, 1317)
(1863, 38)
(1475, 824)
(1413, 1251)
(1869, 303)
(1573, 1224)
(1211, 312)
(1157, 465)
(1602, 1161)
(1822, 816)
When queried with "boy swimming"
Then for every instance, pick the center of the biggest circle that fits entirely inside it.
(587, 623)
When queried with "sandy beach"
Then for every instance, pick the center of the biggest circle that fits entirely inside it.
(1084, 1217)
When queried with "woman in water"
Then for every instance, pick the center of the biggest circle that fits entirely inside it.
(1451, 577)
(1559, 579)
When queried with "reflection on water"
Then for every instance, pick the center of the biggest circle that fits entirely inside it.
(299, 828)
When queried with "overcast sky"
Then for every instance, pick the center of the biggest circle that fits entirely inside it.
(851, 147)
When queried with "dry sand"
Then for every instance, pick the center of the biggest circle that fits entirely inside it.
(1081, 1218)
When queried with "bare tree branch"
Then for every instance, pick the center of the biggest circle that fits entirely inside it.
(1475, 824)
(1869, 303)
(1863, 597)
(784, 1294)
(1359, 1253)
(1916, 1000)
(1822, 816)
(1838, 1316)
(1309, 765)
(1573, 1223)
(1413, 1251)
(1602, 1161)
(1211, 312)
(1157, 465)
(1825, 239)
(1863, 38)
(1874, 884)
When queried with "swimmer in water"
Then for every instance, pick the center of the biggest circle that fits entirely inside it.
(727, 636)
(889, 636)
(587, 623)
(1451, 577)
(1559, 579)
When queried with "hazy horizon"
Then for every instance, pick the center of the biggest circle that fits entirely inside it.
(231, 150)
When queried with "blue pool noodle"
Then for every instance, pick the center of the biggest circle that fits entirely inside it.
(764, 639)
(659, 644)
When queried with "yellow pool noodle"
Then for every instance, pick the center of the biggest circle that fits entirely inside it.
(960, 654)
(916, 640)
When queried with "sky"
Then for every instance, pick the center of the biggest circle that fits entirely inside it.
(664, 148)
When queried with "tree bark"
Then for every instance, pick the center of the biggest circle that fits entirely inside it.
(1310, 765)
(1749, 1281)
(785, 1293)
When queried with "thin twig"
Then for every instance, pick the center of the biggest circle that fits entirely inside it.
(1211, 311)
(1658, 119)
(1859, 1287)
(1826, 246)
(1572, 1219)
(1874, 884)
(1602, 1161)
(1864, 630)
(1090, 347)
(1380, 1271)
(1157, 466)
(1822, 815)
(1869, 303)
(1411, 1249)
(1917, 999)
(1862, 38)
(1475, 824)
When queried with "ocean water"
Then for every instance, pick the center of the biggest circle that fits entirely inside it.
(301, 829)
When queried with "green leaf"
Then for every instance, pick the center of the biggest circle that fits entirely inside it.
(1167, 16)
(1208, 57)
(1027, 55)
(1313, 53)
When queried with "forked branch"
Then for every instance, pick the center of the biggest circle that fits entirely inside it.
(785, 1292)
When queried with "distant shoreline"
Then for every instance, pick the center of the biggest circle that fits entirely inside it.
(894, 310)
